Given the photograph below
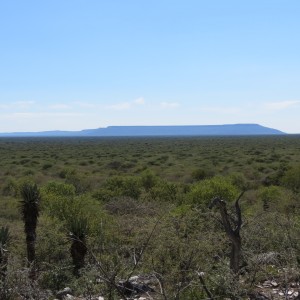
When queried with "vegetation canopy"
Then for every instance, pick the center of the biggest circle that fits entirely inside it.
(160, 218)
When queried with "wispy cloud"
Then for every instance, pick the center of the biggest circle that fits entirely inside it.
(281, 105)
(41, 121)
(4, 106)
(60, 106)
(220, 109)
(120, 106)
(127, 105)
(38, 115)
(23, 104)
(139, 101)
(85, 104)
(169, 104)
(17, 105)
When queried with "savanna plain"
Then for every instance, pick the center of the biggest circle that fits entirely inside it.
(155, 218)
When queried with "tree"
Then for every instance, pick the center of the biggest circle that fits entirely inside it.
(29, 207)
(232, 228)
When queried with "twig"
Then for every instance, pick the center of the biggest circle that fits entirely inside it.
(138, 259)
(161, 285)
(207, 291)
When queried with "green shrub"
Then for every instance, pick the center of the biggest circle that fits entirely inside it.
(148, 179)
(66, 172)
(59, 200)
(270, 196)
(59, 189)
(203, 192)
(10, 187)
(239, 180)
(80, 183)
(278, 199)
(164, 191)
(291, 179)
(200, 174)
(51, 246)
(119, 186)
(46, 166)
(56, 277)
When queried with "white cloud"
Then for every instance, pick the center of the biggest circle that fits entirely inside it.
(169, 104)
(85, 104)
(139, 101)
(120, 106)
(281, 105)
(23, 104)
(127, 105)
(60, 106)
(222, 110)
(37, 115)
(43, 121)
(17, 105)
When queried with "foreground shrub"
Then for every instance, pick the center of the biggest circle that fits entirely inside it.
(165, 191)
(204, 191)
(58, 200)
(200, 174)
(118, 186)
(291, 179)
(148, 180)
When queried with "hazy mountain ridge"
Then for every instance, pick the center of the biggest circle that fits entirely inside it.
(176, 130)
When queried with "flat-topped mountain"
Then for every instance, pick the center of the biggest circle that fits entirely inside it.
(176, 130)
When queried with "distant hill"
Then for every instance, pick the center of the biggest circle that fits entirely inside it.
(188, 130)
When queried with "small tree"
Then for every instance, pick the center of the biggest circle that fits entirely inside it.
(232, 228)
(29, 207)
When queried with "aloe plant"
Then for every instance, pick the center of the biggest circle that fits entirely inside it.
(78, 231)
(29, 207)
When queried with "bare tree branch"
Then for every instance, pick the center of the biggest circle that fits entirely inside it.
(232, 233)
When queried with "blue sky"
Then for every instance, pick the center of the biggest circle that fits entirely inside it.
(70, 64)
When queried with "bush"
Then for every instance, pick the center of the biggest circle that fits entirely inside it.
(279, 199)
(201, 174)
(270, 196)
(148, 180)
(80, 183)
(239, 180)
(203, 192)
(10, 187)
(59, 200)
(119, 186)
(51, 245)
(46, 166)
(291, 179)
(164, 191)
(59, 189)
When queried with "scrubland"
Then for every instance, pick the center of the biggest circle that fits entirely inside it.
(113, 208)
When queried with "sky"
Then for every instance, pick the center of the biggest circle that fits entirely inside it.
(79, 64)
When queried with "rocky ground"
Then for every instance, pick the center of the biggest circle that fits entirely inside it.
(276, 291)
(143, 288)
